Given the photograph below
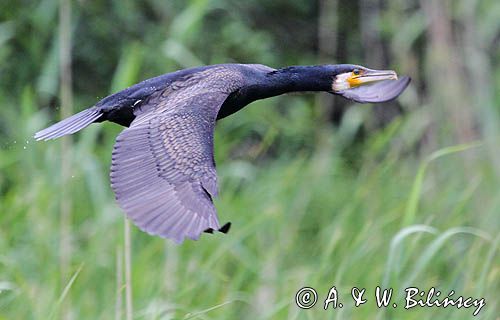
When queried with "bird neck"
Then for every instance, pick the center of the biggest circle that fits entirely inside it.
(263, 84)
(297, 79)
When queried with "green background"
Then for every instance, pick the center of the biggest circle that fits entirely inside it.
(321, 192)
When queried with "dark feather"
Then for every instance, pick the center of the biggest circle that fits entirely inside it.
(163, 171)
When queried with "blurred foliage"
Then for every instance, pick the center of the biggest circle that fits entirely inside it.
(320, 191)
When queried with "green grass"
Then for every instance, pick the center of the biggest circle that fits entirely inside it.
(309, 218)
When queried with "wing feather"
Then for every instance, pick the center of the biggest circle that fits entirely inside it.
(377, 92)
(163, 170)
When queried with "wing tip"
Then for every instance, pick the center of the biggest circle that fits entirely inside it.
(174, 226)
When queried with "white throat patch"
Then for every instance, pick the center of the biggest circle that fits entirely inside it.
(340, 83)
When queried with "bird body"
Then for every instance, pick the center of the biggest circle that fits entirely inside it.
(163, 169)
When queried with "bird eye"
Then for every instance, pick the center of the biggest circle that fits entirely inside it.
(356, 72)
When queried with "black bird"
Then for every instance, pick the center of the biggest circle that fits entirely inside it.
(163, 168)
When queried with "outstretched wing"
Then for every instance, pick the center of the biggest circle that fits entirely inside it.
(163, 170)
(377, 92)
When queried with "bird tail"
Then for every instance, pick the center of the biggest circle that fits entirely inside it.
(69, 125)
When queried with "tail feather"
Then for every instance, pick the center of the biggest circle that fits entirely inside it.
(69, 125)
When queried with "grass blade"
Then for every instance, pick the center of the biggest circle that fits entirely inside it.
(412, 204)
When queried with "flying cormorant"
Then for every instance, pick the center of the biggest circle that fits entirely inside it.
(163, 168)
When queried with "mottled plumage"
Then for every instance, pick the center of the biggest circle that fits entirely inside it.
(163, 169)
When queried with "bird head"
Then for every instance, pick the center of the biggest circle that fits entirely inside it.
(366, 85)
